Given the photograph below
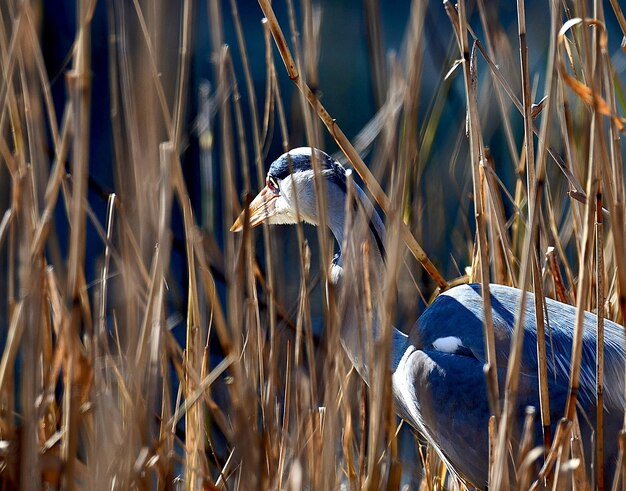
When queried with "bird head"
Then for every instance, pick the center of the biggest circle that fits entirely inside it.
(289, 192)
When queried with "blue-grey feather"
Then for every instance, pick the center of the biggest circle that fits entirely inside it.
(450, 390)
(459, 312)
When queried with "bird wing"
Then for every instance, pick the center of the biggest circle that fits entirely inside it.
(439, 394)
(439, 383)
(454, 324)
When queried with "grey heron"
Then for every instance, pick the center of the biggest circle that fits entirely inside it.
(438, 380)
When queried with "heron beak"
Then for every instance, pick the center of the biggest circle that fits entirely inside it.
(261, 208)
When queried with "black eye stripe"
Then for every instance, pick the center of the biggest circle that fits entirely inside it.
(272, 183)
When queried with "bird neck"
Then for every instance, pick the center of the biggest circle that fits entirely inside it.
(363, 225)
(351, 232)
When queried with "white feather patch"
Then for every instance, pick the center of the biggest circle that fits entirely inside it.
(449, 344)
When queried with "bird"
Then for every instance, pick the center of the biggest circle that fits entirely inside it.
(438, 378)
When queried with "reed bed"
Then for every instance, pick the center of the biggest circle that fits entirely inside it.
(179, 357)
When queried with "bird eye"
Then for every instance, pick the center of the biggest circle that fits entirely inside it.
(272, 184)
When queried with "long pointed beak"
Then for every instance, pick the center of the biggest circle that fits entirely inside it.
(261, 208)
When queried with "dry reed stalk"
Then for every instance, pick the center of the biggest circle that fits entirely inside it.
(545, 475)
(525, 447)
(320, 462)
(375, 47)
(252, 315)
(383, 394)
(408, 151)
(620, 18)
(304, 326)
(498, 476)
(235, 298)
(285, 422)
(529, 152)
(258, 159)
(584, 281)
(153, 68)
(577, 187)
(272, 89)
(562, 473)
(196, 465)
(182, 83)
(572, 160)
(542, 365)
(79, 87)
(243, 324)
(372, 479)
(382, 419)
(502, 105)
(613, 189)
(69, 345)
(501, 257)
(459, 21)
(599, 237)
(577, 459)
(6, 90)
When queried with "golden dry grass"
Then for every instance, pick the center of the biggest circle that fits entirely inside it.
(96, 392)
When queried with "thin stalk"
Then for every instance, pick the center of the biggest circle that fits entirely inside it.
(154, 71)
(536, 130)
(195, 459)
(542, 366)
(79, 87)
(613, 191)
(620, 17)
(529, 152)
(498, 477)
(258, 159)
(504, 109)
(599, 236)
(584, 282)
(101, 330)
(183, 73)
(477, 156)
(525, 448)
(375, 47)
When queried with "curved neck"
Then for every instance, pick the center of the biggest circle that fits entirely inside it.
(365, 225)
(365, 222)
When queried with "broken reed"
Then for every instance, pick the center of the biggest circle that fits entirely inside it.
(103, 383)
